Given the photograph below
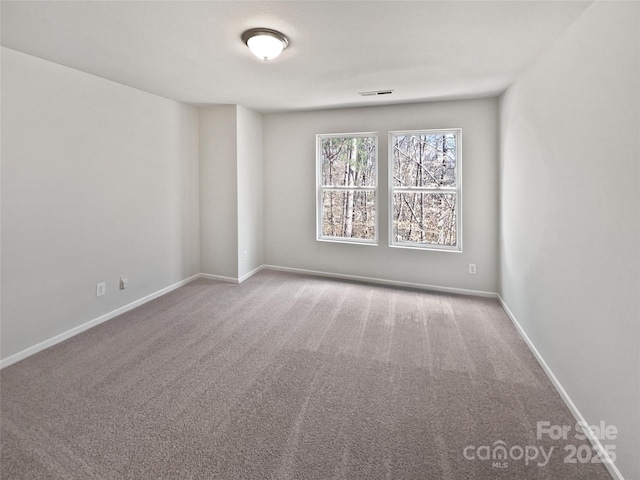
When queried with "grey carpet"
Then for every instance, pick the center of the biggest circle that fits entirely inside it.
(284, 377)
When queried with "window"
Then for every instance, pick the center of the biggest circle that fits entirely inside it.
(425, 189)
(347, 187)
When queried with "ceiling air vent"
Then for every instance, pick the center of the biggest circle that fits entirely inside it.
(376, 92)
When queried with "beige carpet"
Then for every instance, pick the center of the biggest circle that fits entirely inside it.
(286, 377)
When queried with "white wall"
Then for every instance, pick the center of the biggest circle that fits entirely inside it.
(250, 191)
(231, 210)
(289, 183)
(570, 225)
(98, 180)
(218, 191)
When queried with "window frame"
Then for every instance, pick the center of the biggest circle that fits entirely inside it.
(457, 190)
(322, 188)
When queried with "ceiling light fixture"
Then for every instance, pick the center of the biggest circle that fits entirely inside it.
(264, 43)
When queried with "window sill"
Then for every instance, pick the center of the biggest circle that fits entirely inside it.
(431, 248)
(371, 243)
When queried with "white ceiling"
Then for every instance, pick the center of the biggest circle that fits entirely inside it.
(191, 51)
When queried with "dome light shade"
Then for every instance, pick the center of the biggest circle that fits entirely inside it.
(264, 43)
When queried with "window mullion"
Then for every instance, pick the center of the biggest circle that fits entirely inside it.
(342, 188)
(424, 189)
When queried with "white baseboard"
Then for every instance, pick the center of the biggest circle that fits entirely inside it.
(219, 278)
(222, 278)
(382, 281)
(27, 352)
(247, 276)
(595, 441)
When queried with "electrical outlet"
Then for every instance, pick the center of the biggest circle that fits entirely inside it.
(101, 289)
(472, 268)
(245, 255)
(123, 283)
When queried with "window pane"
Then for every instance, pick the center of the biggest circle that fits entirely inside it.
(348, 214)
(426, 218)
(424, 160)
(349, 161)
